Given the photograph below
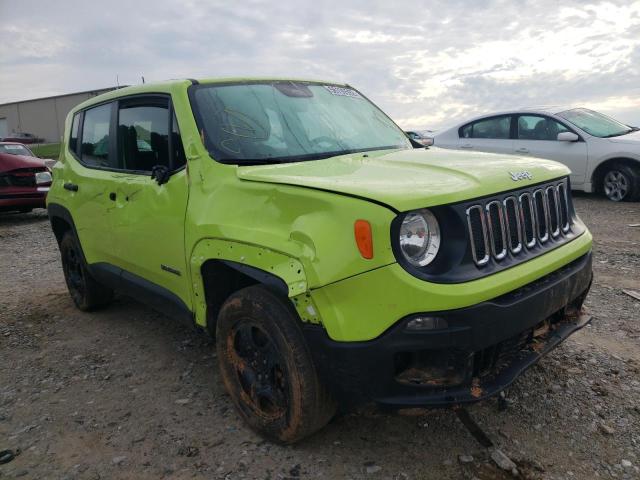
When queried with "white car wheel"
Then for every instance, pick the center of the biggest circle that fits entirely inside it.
(616, 185)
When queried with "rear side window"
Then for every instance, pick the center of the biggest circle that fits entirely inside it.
(143, 135)
(496, 127)
(73, 139)
(95, 137)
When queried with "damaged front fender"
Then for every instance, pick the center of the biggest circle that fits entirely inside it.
(255, 261)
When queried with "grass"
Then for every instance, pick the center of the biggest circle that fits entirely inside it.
(49, 150)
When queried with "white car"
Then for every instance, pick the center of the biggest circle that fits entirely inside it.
(602, 153)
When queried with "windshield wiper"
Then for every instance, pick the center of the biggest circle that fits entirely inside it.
(302, 158)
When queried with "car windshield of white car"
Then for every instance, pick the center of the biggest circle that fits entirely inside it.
(283, 121)
(595, 123)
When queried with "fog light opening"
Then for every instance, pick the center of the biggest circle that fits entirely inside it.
(419, 324)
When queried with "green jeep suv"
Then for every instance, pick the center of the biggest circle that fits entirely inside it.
(335, 261)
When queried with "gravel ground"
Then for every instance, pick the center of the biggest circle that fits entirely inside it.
(128, 394)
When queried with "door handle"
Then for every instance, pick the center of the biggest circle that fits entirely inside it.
(72, 187)
(466, 145)
(112, 196)
(522, 150)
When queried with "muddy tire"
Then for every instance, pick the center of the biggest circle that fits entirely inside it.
(267, 368)
(621, 183)
(87, 293)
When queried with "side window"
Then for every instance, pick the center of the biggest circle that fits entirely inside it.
(73, 139)
(496, 127)
(179, 158)
(143, 135)
(535, 127)
(95, 136)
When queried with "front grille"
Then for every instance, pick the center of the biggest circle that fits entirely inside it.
(23, 177)
(513, 222)
(478, 231)
(521, 222)
(497, 230)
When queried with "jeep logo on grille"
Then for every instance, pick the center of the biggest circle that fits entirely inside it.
(515, 176)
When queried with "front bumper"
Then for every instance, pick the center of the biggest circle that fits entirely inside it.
(31, 198)
(484, 348)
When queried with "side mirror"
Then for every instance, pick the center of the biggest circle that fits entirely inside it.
(418, 141)
(160, 173)
(568, 137)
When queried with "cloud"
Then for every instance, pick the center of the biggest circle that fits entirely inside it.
(426, 64)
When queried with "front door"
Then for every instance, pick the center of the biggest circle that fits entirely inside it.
(148, 223)
(537, 136)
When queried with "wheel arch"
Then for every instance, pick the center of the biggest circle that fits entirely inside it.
(61, 221)
(598, 174)
(221, 267)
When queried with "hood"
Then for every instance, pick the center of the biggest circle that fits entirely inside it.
(10, 162)
(631, 138)
(409, 179)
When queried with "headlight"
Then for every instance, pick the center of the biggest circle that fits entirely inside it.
(419, 237)
(43, 177)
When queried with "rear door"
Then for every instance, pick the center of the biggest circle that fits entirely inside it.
(491, 134)
(537, 136)
(148, 220)
(87, 185)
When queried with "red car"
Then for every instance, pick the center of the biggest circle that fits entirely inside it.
(24, 179)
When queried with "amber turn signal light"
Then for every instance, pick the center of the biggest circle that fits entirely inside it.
(362, 231)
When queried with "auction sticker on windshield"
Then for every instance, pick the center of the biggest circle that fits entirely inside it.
(342, 91)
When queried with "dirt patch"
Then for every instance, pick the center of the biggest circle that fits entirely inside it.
(127, 393)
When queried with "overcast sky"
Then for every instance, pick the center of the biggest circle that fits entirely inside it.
(424, 63)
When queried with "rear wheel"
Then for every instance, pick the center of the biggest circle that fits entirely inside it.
(87, 293)
(622, 183)
(267, 368)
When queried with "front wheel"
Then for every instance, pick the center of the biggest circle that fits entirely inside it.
(267, 368)
(622, 183)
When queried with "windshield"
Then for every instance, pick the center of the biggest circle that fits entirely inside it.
(16, 150)
(595, 123)
(286, 121)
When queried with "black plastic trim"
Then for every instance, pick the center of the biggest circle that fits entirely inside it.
(132, 285)
(268, 279)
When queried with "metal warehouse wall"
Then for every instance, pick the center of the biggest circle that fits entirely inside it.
(44, 117)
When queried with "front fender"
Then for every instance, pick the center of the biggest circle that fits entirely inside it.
(286, 268)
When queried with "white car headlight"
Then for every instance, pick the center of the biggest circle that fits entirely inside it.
(419, 237)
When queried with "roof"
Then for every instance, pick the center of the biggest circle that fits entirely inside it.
(542, 110)
(168, 86)
(551, 109)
